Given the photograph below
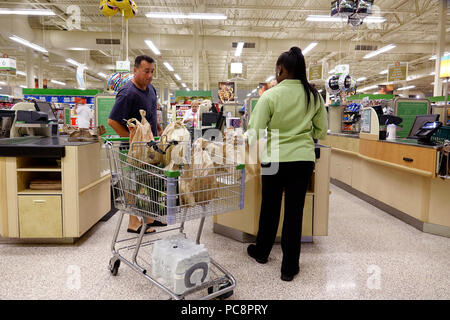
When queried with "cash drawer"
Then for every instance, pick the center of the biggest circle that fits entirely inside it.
(40, 216)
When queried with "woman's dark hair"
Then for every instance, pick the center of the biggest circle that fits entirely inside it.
(138, 60)
(294, 63)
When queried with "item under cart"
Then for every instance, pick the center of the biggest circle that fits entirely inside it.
(179, 266)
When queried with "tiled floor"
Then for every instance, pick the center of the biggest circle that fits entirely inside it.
(367, 255)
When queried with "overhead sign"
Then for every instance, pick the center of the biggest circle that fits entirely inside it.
(315, 72)
(8, 65)
(342, 69)
(398, 72)
(123, 66)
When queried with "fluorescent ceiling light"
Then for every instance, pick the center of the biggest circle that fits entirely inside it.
(309, 47)
(23, 86)
(320, 91)
(254, 90)
(361, 79)
(239, 48)
(58, 82)
(2, 83)
(21, 73)
(379, 51)
(184, 85)
(374, 19)
(168, 66)
(28, 12)
(101, 74)
(323, 18)
(249, 95)
(195, 16)
(384, 71)
(332, 71)
(177, 77)
(433, 57)
(270, 78)
(188, 89)
(152, 46)
(75, 63)
(28, 44)
(368, 88)
(406, 88)
(432, 73)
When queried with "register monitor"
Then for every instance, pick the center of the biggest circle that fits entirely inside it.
(419, 122)
(46, 108)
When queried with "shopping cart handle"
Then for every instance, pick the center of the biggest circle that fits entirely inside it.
(154, 145)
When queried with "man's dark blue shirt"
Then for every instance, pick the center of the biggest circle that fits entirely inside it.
(130, 99)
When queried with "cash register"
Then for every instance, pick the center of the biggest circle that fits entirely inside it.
(34, 118)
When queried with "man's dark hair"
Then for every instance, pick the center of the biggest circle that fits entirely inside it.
(138, 60)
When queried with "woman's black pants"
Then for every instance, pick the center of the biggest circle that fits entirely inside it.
(292, 178)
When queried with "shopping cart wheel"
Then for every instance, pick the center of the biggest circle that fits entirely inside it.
(222, 296)
(114, 266)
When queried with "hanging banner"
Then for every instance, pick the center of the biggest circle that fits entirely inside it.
(315, 72)
(8, 65)
(398, 72)
(80, 76)
(226, 91)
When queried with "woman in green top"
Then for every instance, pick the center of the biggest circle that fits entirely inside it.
(294, 112)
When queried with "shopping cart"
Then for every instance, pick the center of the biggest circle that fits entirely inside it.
(151, 191)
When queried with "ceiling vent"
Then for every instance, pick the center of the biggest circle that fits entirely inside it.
(250, 45)
(365, 47)
(107, 41)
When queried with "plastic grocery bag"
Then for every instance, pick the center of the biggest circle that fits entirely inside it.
(141, 131)
(175, 131)
(204, 174)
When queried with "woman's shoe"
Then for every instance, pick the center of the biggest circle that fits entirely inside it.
(286, 277)
(251, 250)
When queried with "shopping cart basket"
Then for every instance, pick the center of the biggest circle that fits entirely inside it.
(151, 191)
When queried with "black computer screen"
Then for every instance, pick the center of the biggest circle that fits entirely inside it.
(419, 122)
(208, 118)
(47, 108)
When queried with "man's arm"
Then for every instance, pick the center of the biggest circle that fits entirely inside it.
(118, 128)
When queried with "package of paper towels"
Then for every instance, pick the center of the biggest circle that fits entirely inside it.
(179, 263)
(391, 133)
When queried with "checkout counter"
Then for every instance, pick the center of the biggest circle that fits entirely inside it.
(398, 176)
(242, 225)
(52, 189)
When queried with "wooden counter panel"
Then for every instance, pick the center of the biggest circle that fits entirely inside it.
(422, 158)
(343, 143)
(3, 199)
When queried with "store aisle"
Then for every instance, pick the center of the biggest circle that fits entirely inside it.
(367, 255)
